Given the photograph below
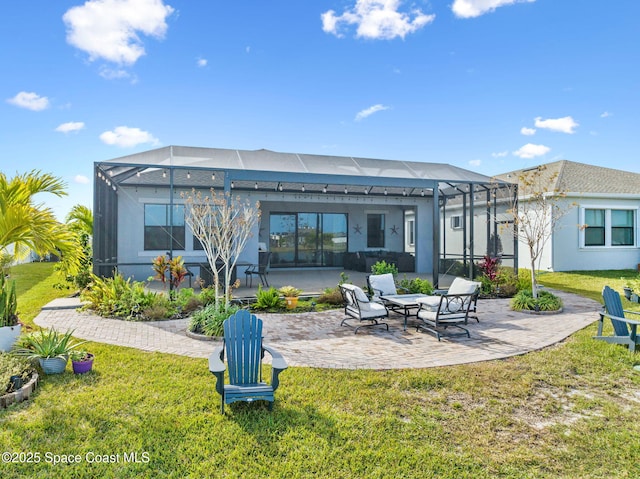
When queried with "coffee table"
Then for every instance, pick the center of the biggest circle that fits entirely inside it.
(403, 304)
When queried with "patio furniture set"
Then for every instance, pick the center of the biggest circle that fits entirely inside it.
(434, 313)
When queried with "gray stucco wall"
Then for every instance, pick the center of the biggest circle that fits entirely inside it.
(131, 203)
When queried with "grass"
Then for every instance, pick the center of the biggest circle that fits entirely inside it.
(569, 411)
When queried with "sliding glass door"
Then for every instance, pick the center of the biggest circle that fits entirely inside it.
(307, 239)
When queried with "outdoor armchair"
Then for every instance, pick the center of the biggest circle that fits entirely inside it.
(358, 306)
(624, 328)
(244, 351)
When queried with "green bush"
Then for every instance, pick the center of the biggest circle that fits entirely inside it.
(207, 295)
(416, 286)
(546, 301)
(209, 320)
(267, 299)
(119, 297)
(382, 267)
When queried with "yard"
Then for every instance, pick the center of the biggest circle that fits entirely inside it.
(566, 411)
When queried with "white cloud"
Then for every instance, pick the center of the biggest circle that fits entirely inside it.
(606, 114)
(126, 137)
(114, 73)
(376, 19)
(475, 8)
(361, 115)
(531, 151)
(70, 127)
(202, 62)
(30, 101)
(563, 125)
(109, 29)
(528, 131)
(500, 154)
(81, 179)
(475, 162)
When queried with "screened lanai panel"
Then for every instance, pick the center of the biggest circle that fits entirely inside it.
(266, 160)
(331, 165)
(384, 168)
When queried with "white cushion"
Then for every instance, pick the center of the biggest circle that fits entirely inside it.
(383, 283)
(463, 286)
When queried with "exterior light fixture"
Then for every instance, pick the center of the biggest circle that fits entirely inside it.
(422, 193)
(138, 173)
(324, 189)
(302, 189)
(232, 185)
(404, 193)
(366, 191)
(188, 175)
(164, 173)
(280, 188)
(256, 185)
(213, 177)
(385, 192)
(345, 190)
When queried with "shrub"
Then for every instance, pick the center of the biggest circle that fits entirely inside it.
(331, 296)
(382, 267)
(207, 295)
(119, 297)
(209, 320)
(289, 292)
(11, 365)
(416, 286)
(546, 301)
(267, 299)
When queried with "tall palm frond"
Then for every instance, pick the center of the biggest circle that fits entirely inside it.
(80, 219)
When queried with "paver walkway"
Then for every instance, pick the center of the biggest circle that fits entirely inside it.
(317, 339)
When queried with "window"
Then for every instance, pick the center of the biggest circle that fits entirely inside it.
(157, 227)
(456, 222)
(609, 227)
(375, 230)
(622, 228)
(594, 229)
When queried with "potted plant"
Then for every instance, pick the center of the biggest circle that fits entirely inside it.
(290, 295)
(50, 348)
(81, 361)
(10, 327)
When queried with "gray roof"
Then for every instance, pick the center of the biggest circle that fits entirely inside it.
(573, 177)
(296, 163)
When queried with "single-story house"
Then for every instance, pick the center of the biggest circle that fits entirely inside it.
(317, 211)
(600, 228)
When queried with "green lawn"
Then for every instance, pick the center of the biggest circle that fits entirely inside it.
(568, 411)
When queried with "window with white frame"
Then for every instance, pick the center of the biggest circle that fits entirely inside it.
(456, 222)
(608, 227)
(411, 232)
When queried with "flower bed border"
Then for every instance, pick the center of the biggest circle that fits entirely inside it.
(21, 394)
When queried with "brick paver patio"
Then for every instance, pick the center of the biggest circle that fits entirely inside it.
(317, 340)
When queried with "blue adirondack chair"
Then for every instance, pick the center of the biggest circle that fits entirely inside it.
(624, 328)
(245, 351)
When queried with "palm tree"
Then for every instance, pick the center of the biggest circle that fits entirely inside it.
(80, 219)
(29, 226)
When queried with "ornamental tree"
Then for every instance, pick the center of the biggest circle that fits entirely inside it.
(223, 224)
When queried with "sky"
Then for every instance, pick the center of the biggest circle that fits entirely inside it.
(486, 85)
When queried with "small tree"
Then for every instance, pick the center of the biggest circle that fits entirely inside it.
(223, 225)
(536, 209)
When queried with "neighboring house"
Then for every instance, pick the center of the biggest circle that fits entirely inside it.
(600, 229)
(316, 211)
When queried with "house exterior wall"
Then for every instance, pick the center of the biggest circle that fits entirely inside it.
(570, 253)
(131, 201)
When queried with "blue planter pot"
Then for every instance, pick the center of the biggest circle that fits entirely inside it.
(53, 365)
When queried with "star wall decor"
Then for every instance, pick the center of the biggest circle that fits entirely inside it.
(357, 229)
(394, 230)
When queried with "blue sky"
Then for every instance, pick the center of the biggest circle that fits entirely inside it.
(487, 85)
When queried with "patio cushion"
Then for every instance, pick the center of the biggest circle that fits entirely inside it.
(383, 284)
(463, 286)
(432, 303)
